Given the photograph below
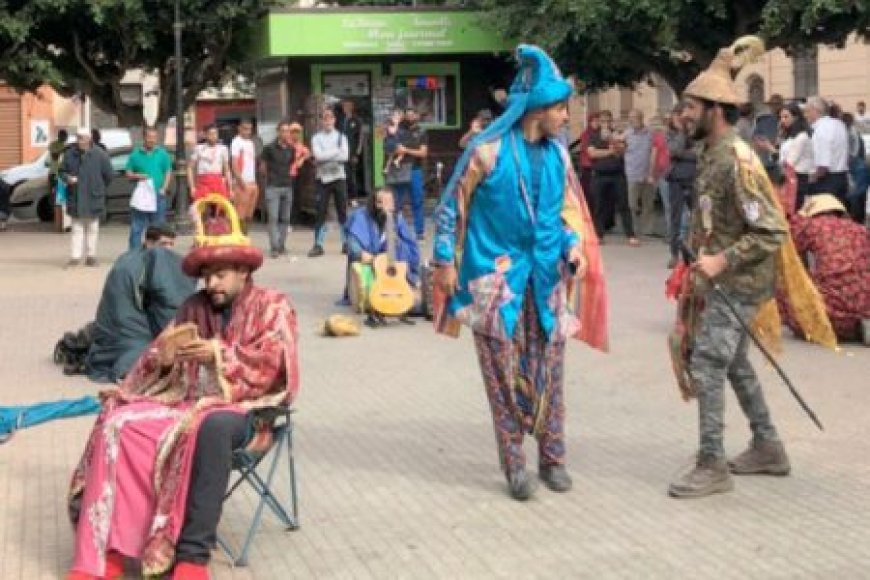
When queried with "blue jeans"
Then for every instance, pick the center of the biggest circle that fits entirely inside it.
(414, 190)
(161, 209)
(141, 220)
(279, 208)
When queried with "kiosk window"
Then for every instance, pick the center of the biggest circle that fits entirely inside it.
(434, 98)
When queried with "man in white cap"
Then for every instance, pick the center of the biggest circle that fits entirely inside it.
(87, 173)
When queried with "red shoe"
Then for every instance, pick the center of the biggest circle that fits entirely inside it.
(114, 566)
(188, 571)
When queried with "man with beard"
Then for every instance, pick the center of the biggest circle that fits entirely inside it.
(740, 236)
(512, 226)
(151, 482)
(367, 237)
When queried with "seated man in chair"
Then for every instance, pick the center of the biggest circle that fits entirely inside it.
(152, 479)
(367, 236)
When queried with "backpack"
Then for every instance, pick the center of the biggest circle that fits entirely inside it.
(71, 350)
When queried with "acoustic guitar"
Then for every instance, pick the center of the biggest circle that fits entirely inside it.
(390, 294)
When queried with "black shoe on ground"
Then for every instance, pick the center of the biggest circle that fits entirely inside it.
(375, 321)
(520, 485)
(555, 477)
(344, 249)
(72, 264)
(315, 252)
(406, 320)
(91, 262)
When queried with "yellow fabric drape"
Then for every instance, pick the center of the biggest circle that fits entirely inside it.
(791, 276)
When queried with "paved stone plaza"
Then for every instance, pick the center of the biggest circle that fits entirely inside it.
(398, 474)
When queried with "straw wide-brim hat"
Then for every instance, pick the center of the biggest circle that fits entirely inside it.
(821, 203)
(717, 84)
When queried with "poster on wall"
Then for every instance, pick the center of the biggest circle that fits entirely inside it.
(40, 132)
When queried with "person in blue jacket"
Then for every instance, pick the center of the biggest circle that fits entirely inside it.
(516, 252)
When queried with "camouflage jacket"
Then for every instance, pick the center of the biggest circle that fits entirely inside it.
(728, 217)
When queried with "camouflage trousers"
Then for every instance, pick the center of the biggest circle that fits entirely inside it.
(720, 351)
(524, 385)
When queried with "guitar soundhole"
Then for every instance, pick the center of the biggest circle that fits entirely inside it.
(391, 271)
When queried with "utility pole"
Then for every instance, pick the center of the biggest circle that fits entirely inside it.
(181, 193)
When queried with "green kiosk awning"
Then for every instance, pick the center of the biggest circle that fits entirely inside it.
(305, 33)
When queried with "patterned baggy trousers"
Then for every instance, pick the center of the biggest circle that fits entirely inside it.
(524, 384)
(720, 350)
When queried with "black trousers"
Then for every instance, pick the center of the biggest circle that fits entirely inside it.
(803, 190)
(325, 191)
(837, 184)
(355, 179)
(609, 195)
(219, 435)
(679, 193)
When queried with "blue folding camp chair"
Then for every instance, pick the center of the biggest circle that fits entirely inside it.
(245, 463)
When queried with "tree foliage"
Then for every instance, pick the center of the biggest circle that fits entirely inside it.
(608, 42)
(87, 46)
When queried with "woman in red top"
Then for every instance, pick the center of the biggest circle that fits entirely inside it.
(209, 169)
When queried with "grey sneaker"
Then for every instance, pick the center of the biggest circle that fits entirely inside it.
(709, 476)
(762, 458)
(315, 252)
(520, 486)
(555, 477)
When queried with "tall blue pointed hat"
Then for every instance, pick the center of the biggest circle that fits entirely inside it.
(540, 78)
(538, 84)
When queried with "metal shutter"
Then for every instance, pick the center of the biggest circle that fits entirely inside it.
(10, 131)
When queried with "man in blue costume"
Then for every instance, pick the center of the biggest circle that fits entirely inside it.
(367, 237)
(516, 252)
(142, 293)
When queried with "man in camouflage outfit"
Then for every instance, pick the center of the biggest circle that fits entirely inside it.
(736, 234)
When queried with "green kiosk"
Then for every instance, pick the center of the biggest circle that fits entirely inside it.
(444, 63)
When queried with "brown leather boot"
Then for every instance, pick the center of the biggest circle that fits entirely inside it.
(762, 458)
(709, 476)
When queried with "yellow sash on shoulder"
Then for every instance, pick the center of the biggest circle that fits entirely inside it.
(791, 276)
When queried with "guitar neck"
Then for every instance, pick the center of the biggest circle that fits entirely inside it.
(390, 233)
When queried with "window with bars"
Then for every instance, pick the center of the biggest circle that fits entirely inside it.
(806, 72)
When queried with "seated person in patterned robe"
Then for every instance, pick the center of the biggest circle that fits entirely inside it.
(837, 253)
(152, 479)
